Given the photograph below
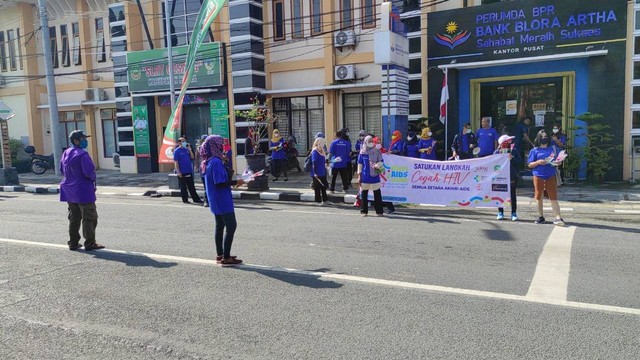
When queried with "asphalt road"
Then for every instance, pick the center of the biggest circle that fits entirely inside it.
(320, 283)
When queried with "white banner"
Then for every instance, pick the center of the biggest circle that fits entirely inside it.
(481, 182)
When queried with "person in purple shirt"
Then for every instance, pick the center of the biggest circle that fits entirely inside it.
(218, 191)
(319, 171)
(369, 163)
(339, 149)
(487, 138)
(544, 176)
(183, 160)
(78, 190)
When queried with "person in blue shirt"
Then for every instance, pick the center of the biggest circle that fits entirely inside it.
(411, 145)
(319, 171)
(361, 136)
(544, 176)
(487, 138)
(397, 145)
(218, 191)
(464, 143)
(515, 163)
(340, 149)
(521, 134)
(183, 160)
(278, 156)
(559, 140)
(427, 145)
(369, 164)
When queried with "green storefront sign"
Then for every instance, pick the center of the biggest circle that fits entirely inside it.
(141, 131)
(149, 69)
(219, 118)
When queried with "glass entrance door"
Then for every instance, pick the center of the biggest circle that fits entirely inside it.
(196, 122)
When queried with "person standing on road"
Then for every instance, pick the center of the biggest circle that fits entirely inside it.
(218, 187)
(183, 160)
(464, 143)
(544, 176)
(559, 140)
(319, 171)
(369, 163)
(487, 138)
(339, 149)
(515, 163)
(78, 190)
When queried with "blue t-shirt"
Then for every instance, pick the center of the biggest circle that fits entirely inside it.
(317, 164)
(397, 148)
(411, 150)
(340, 148)
(220, 198)
(358, 145)
(487, 141)
(520, 130)
(366, 177)
(425, 144)
(542, 171)
(562, 139)
(182, 156)
(277, 154)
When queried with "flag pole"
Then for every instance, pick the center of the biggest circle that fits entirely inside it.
(446, 119)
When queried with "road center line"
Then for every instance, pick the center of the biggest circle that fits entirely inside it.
(551, 278)
(365, 280)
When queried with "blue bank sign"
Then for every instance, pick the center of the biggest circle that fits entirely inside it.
(525, 28)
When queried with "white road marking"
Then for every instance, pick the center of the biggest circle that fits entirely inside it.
(364, 280)
(627, 211)
(561, 209)
(551, 278)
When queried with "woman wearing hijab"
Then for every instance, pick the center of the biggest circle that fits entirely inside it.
(559, 140)
(218, 192)
(397, 145)
(515, 163)
(427, 145)
(369, 163)
(411, 146)
(544, 176)
(319, 171)
(278, 155)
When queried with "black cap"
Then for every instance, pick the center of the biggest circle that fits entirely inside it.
(77, 135)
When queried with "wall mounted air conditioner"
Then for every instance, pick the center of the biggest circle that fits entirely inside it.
(95, 94)
(345, 72)
(344, 38)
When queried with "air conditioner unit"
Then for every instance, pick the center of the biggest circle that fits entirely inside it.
(344, 38)
(94, 94)
(345, 72)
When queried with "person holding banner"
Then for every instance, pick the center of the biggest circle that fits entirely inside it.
(427, 145)
(464, 143)
(319, 171)
(218, 191)
(278, 156)
(369, 168)
(411, 146)
(515, 161)
(544, 176)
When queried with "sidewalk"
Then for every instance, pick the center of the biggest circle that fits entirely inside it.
(110, 182)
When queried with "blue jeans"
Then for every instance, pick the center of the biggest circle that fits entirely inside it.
(225, 221)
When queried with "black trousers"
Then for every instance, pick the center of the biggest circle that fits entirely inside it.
(514, 200)
(344, 176)
(85, 215)
(186, 181)
(320, 188)
(377, 201)
(224, 240)
(279, 166)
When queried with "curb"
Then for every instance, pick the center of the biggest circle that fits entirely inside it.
(42, 190)
(13, 188)
(271, 195)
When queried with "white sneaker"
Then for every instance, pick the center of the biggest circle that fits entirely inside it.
(320, 204)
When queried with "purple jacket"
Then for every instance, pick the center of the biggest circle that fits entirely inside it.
(79, 182)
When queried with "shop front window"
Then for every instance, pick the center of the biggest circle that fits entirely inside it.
(109, 132)
(182, 18)
(70, 121)
(363, 111)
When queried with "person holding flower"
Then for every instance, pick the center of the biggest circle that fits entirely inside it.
(544, 176)
(370, 167)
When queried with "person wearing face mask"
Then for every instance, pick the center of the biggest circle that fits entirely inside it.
(411, 146)
(278, 155)
(559, 140)
(369, 164)
(78, 190)
(397, 145)
(544, 176)
(183, 160)
(319, 171)
(464, 143)
(515, 163)
(361, 136)
(427, 145)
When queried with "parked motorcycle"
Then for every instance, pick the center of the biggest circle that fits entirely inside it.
(292, 154)
(39, 163)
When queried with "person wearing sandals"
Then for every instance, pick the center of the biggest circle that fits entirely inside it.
(369, 160)
(218, 192)
(319, 171)
(544, 176)
(78, 190)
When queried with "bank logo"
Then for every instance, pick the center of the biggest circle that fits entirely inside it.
(452, 37)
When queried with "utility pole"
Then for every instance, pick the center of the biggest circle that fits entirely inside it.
(167, 17)
(51, 86)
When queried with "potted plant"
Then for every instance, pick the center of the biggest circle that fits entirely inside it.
(259, 118)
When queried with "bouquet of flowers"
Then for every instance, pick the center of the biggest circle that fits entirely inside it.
(378, 167)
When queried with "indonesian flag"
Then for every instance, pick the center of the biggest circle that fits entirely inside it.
(444, 97)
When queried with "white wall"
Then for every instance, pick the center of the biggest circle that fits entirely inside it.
(18, 125)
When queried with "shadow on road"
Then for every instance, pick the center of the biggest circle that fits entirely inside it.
(131, 259)
(297, 279)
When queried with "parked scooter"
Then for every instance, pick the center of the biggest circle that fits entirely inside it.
(39, 163)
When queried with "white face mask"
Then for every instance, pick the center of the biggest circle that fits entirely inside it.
(409, 138)
(429, 133)
(369, 144)
(468, 131)
(555, 131)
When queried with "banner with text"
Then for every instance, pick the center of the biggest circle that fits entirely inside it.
(468, 183)
(141, 131)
